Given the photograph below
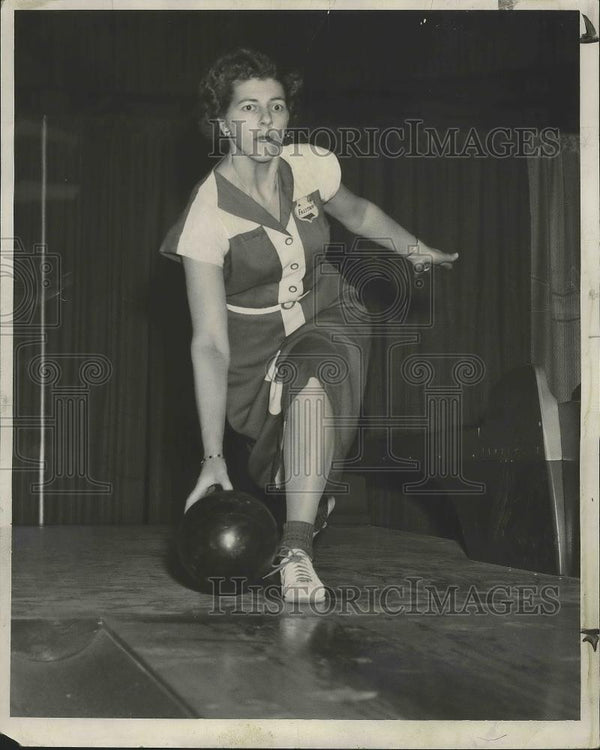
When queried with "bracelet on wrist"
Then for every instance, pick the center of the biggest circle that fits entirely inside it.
(212, 455)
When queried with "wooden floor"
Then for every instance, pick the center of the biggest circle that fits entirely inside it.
(248, 658)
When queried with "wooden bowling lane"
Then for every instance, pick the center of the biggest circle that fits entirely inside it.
(242, 662)
(95, 571)
(370, 667)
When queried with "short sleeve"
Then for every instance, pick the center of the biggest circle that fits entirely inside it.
(198, 233)
(328, 171)
(314, 168)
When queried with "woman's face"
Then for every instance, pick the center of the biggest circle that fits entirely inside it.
(257, 118)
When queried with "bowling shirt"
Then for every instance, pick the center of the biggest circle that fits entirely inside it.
(287, 304)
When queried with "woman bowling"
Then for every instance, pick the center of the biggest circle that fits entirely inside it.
(269, 314)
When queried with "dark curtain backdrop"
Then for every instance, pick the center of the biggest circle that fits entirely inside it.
(479, 208)
(120, 301)
(120, 173)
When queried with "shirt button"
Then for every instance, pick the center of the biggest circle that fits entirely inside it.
(288, 305)
(288, 240)
(294, 266)
(293, 289)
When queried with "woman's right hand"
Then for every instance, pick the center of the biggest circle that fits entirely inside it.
(214, 471)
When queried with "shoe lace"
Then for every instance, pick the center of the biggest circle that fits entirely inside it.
(304, 571)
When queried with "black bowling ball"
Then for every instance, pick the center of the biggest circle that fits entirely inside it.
(227, 540)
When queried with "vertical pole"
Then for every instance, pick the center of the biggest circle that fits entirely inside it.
(42, 289)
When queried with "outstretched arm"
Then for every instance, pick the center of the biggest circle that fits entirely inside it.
(366, 219)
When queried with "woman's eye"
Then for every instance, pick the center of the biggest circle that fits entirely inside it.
(248, 107)
(278, 107)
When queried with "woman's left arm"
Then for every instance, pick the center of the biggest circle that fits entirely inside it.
(366, 219)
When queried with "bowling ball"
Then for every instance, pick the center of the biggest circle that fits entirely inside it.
(227, 535)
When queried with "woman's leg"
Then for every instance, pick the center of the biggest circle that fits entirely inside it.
(307, 451)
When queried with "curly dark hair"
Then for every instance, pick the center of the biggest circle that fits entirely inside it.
(216, 88)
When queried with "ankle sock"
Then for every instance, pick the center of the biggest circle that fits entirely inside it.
(298, 535)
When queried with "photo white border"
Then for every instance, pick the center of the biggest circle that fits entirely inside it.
(313, 733)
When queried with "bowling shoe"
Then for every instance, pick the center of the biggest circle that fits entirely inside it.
(299, 581)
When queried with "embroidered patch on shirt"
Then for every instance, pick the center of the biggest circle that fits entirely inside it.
(306, 210)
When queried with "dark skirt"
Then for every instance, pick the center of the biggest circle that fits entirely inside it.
(332, 347)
